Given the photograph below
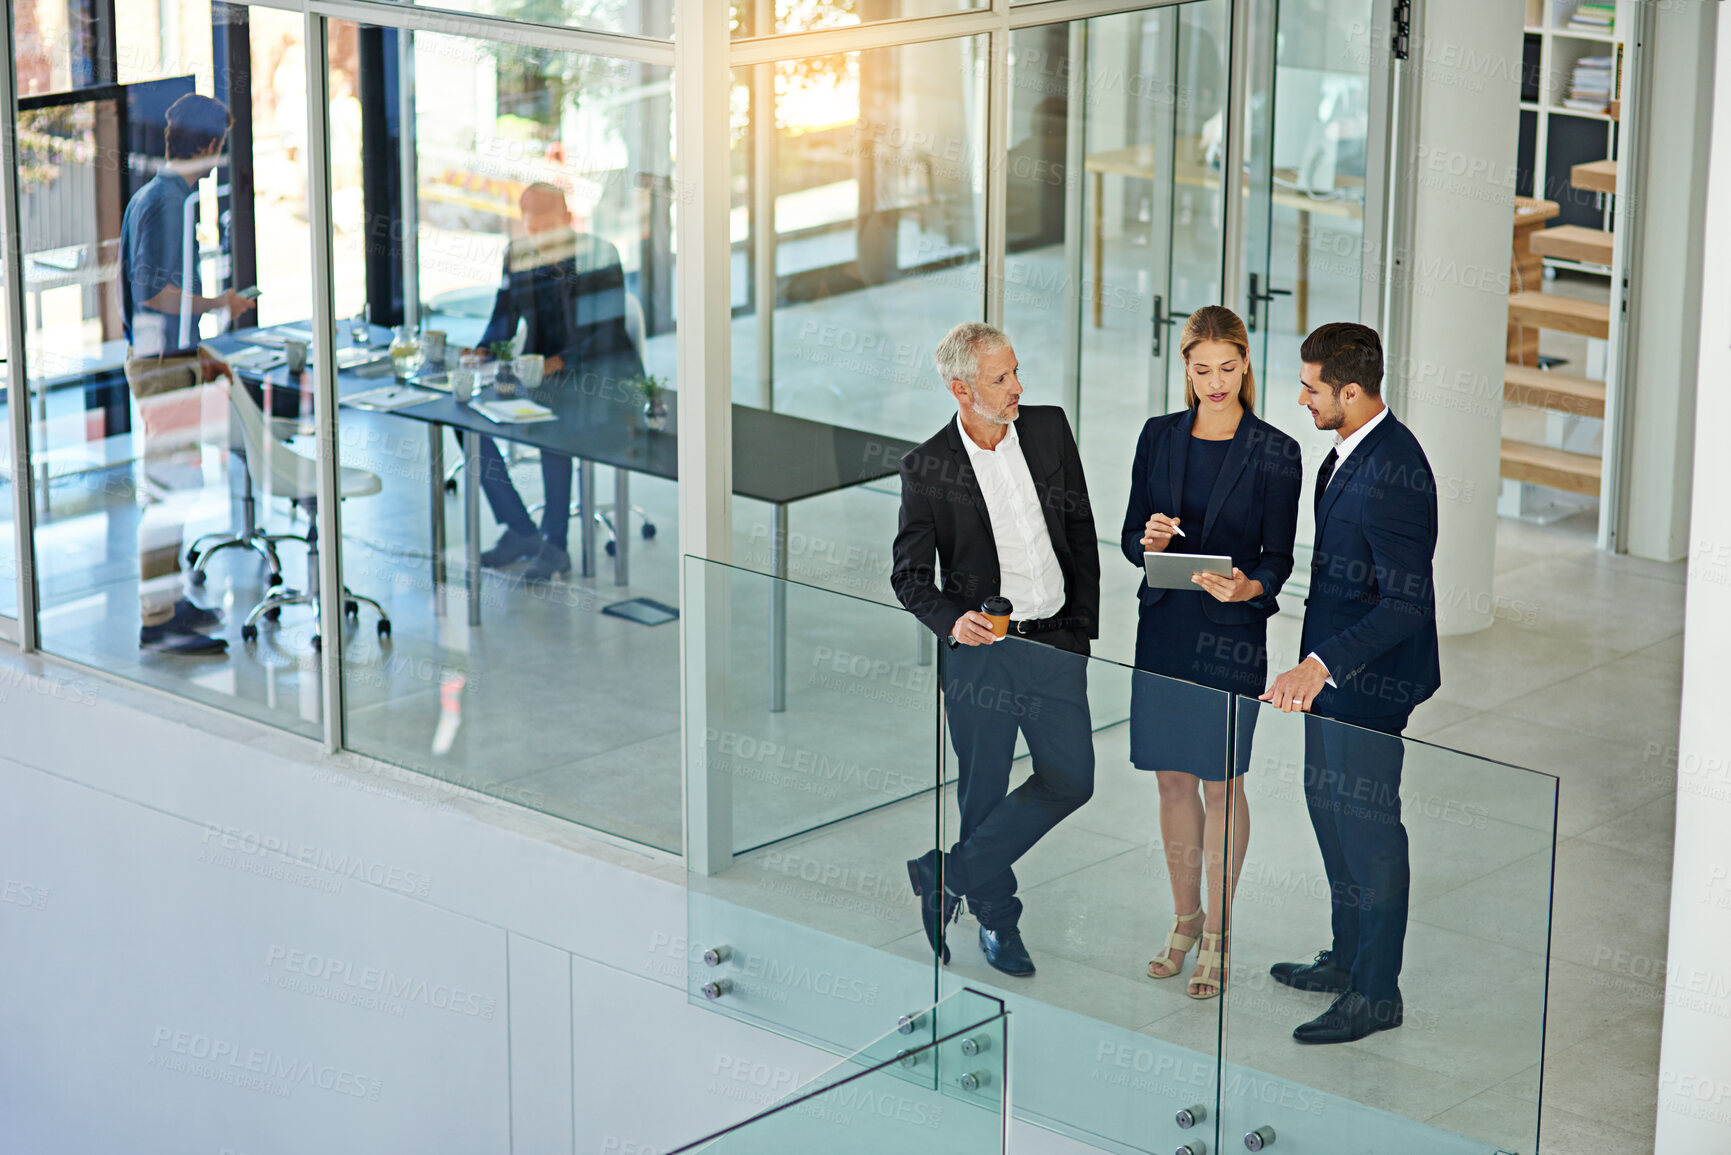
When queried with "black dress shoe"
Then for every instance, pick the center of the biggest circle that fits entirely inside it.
(1351, 1017)
(1321, 975)
(1004, 950)
(923, 874)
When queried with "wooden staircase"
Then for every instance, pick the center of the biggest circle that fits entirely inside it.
(1573, 243)
(1531, 309)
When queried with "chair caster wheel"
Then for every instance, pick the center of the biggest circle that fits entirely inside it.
(450, 485)
(274, 579)
(317, 643)
(192, 557)
(273, 615)
(249, 633)
(612, 549)
(648, 531)
(384, 628)
(351, 609)
(196, 577)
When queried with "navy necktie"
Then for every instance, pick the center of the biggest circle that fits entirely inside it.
(1326, 472)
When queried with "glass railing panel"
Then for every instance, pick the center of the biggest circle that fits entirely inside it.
(940, 1090)
(1462, 848)
(1106, 1053)
(811, 775)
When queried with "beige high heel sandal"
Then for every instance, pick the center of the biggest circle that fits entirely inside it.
(1214, 960)
(1174, 942)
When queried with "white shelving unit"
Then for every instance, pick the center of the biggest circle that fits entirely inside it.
(1560, 48)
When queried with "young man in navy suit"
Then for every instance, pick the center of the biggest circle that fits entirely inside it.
(995, 505)
(1370, 657)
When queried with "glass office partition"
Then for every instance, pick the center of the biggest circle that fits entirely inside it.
(163, 206)
(1107, 1051)
(8, 534)
(936, 1084)
(1437, 867)
(507, 422)
(1306, 259)
(1113, 229)
(801, 818)
(866, 198)
(1132, 872)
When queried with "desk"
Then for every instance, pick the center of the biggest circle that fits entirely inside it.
(777, 459)
(1137, 162)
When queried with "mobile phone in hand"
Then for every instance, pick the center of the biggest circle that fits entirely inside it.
(251, 293)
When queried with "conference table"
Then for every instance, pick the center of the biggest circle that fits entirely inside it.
(598, 420)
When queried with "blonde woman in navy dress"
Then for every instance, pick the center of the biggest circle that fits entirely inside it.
(1212, 479)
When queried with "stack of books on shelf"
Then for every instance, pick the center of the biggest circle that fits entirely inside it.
(1590, 16)
(1590, 89)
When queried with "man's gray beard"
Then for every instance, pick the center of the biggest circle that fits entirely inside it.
(980, 411)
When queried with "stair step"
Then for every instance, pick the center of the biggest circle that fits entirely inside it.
(1564, 314)
(1573, 243)
(1595, 176)
(1545, 389)
(1557, 468)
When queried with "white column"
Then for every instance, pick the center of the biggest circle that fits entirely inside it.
(1695, 1054)
(705, 396)
(1452, 288)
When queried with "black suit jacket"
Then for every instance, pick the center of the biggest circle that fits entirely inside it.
(945, 527)
(1371, 613)
(1252, 512)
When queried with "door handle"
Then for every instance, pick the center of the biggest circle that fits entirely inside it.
(1161, 319)
(1257, 296)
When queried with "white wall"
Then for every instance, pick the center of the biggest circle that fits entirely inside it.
(195, 928)
(1665, 270)
(1695, 1054)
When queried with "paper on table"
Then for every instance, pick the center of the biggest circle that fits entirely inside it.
(515, 412)
(389, 397)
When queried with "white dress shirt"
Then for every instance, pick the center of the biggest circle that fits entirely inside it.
(1028, 570)
(1343, 447)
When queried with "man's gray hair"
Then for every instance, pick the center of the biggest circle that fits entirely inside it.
(958, 354)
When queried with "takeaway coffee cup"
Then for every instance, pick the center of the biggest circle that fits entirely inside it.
(998, 609)
(296, 352)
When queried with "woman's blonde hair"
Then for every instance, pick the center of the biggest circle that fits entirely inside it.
(1218, 323)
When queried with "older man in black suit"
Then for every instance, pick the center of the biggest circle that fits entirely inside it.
(995, 506)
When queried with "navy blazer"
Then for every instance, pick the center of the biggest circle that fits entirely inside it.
(945, 528)
(1371, 613)
(1252, 513)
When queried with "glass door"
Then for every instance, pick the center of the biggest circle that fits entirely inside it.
(1113, 234)
(1307, 128)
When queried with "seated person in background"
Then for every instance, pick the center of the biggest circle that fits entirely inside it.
(567, 290)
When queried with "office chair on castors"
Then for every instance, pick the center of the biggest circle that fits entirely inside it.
(295, 476)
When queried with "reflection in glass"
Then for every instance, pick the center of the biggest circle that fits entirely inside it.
(937, 1086)
(875, 189)
(523, 539)
(857, 231)
(160, 181)
(1478, 840)
(774, 17)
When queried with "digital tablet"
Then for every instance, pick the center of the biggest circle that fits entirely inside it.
(1171, 571)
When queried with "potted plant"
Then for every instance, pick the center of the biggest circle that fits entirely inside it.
(654, 402)
(505, 379)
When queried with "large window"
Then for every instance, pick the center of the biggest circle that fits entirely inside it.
(162, 151)
(508, 225)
